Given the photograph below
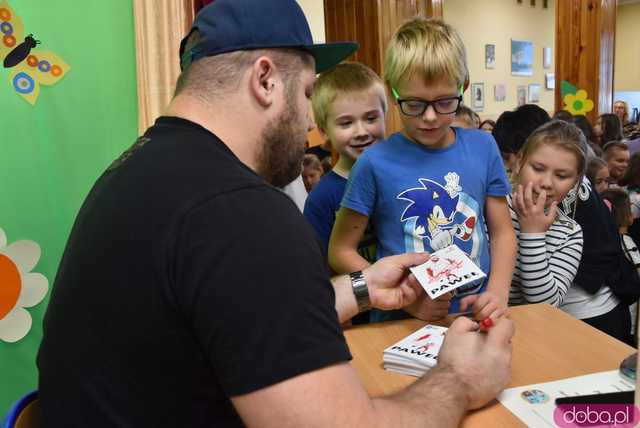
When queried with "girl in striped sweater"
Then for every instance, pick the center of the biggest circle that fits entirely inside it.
(550, 164)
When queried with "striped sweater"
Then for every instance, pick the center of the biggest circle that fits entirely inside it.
(547, 262)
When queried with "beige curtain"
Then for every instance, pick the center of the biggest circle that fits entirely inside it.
(160, 25)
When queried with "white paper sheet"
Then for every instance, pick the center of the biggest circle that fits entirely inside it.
(535, 404)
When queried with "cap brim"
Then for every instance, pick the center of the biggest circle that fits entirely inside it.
(331, 54)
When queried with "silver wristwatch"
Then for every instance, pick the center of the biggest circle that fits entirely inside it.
(360, 290)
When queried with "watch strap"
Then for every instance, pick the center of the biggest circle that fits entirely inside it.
(360, 290)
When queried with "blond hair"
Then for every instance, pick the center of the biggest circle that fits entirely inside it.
(560, 134)
(429, 48)
(345, 78)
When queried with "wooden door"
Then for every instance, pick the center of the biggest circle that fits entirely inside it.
(585, 36)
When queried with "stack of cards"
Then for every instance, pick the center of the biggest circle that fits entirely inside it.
(446, 270)
(416, 353)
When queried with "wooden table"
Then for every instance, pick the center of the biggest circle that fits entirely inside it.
(548, 345)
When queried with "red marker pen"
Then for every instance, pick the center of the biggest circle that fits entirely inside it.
(485, 325)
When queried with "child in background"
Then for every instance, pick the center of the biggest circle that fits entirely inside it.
(598, 174)
(464, 118)
(487, 125)
(349, 104)
(513, 128)
(430, 185)
(608, 128)
(631, 181)
(550, 243)
(621, 210)
(311, 171)
(616, 154)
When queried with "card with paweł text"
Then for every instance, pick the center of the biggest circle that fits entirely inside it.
(446, 270)
(416, 353)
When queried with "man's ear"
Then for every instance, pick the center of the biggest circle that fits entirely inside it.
(262, 81)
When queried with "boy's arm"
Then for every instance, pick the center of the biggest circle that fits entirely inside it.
(343, 245)
(502, 239)
(503, 243)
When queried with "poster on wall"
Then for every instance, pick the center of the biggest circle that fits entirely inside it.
(521, 58)
(521, 95)
(477, 96)
(490, 56)
(546, 57)
(534, 93)
(499, 92)
(550, 80)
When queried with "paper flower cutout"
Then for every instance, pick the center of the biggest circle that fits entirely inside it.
(19, 287)
(578, 103)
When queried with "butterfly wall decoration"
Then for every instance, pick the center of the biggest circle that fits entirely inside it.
(29, 66)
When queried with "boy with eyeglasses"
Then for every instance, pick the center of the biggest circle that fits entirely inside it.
(431, 185)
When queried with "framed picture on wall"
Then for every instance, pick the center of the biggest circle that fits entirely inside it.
(499, 92)
(534, 93)
(477, 96)
(546, 57)
(521, 95)
(490, 56)
(521, 58)
(550, 80)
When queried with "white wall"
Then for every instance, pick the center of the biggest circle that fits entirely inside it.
(314, 11)
(497, 22)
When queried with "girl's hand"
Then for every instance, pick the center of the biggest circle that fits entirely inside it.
(485, 305)
(531, 215)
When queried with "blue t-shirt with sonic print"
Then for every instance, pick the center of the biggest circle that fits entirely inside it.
(423, 199)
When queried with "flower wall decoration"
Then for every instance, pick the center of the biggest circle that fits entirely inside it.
(576, 101)
(19, 287)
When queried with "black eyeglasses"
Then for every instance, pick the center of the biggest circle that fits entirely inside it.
(418, 107)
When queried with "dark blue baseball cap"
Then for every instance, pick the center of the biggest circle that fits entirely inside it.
(234, 25)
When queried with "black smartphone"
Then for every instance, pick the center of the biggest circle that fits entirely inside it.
(624, 397)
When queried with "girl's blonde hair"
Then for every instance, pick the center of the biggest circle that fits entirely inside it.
(560, 134)
(429, 48)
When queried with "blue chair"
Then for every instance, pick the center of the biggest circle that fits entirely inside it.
(24, 413)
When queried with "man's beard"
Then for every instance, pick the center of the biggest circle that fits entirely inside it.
(280, 157)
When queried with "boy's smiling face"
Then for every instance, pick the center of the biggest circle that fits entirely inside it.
(355, 121)
(432, 129)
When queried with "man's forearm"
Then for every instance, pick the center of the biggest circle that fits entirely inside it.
(439, 399)
(346, 305)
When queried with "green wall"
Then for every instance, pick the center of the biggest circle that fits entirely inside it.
(51, 153)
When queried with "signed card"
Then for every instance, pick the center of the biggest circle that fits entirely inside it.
(417, 352)
(446, 270)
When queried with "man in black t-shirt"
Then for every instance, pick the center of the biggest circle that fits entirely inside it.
(192, 291)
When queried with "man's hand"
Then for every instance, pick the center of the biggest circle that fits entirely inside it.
(485, 305)
(482, 361)
(428, 309)
(530, 210)
(391, 285)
